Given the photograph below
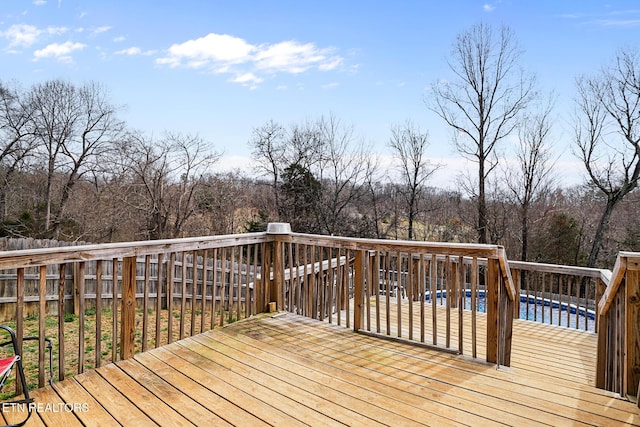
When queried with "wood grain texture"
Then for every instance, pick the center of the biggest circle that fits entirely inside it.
(293, 370)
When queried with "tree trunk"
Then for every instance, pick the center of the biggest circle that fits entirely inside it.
(525, 233)
(482, 204)
(602, 227)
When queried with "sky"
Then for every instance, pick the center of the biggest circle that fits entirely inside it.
(220, 69)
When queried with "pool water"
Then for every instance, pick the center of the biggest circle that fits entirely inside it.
(534, 311)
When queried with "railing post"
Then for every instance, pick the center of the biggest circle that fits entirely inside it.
(492, 310)
(632, 328)
(277, 285)
(127, 331)
(505, 325)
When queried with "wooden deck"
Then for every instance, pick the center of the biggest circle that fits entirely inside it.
(290, 370)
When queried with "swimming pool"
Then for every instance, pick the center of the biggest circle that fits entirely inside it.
(537, 309)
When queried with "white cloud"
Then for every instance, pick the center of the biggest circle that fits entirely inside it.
(211, 48)
(247, 78)
(99, 30)
(39, 2)
(131, 51)
(293, 57)
(248, 63)
(59, 51)
(119, 39)
(134, 51)
(56, 31)
(23, 35)
(488, 7)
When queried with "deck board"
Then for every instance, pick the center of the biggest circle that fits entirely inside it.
(72, 391)
(290, 370)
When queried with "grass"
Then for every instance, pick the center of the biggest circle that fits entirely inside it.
(72, 337)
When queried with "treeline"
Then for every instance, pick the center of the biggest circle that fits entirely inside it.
(83, 175)
(72, 170)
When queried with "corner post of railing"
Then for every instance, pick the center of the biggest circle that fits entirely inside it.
(280, 231)
(127, 331)
(492, 310)
(632, 326)
(358, 289)
(500, 299)
(508, 299)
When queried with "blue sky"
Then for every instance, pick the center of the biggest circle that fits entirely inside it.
(222, 68)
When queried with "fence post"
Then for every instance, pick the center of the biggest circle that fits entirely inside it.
(127, 331)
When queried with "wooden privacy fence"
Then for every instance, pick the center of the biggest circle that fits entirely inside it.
(384, 286)
(31, 299)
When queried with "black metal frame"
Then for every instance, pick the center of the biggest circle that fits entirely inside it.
(25, 400)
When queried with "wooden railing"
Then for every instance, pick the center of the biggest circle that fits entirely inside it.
(558, 294)
(134, 296)
(618, 362)
(385, 287)
(130, 297)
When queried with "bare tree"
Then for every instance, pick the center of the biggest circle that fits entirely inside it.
(268, 145)
(74, 127)
(167, 180)
(409, 148)
(373, 210)
(276, 150)
(16, 139)
(607, 134)
(531, 177)
(482, 103)
(341, 170)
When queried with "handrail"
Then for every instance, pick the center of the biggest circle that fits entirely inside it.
(356, 243)
(617, 277)
(506, 273)
(58, 255)
(177, 272)
(561, 269)
(410, 270)
(618, 356)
